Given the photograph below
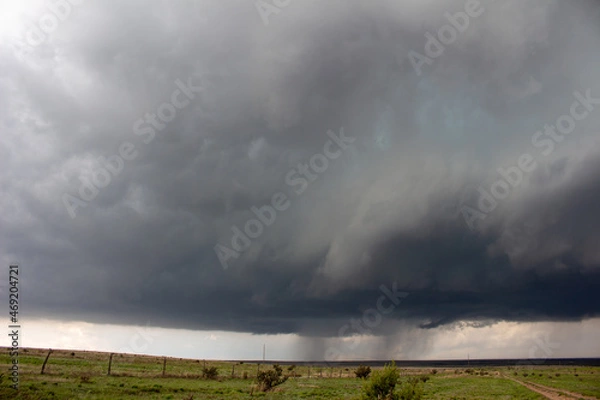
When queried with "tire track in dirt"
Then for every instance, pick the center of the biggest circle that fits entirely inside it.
(549, 392)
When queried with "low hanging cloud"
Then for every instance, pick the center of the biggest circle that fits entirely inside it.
(219, 106)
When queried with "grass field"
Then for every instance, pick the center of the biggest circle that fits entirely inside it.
(83, 375)
(583, 380)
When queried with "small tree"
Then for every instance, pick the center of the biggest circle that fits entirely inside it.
(362, 372)
(382, 386)
(291, 371)
(411, 390)
(210, 372)
(268, 379)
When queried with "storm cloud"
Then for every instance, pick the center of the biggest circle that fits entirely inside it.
(399, 204)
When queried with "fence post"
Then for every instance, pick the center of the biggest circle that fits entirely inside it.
(233, 370)
(45, 361)
(110, 362)
(164, 366)
(309, 371)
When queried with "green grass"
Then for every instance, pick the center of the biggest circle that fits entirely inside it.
(460, 388)
(581, 380)
(84, 376)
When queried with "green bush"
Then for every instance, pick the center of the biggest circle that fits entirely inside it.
(210, 372)
(268, 379)
(411, 390)
(382, 386)
(362, 372)
(291, 370)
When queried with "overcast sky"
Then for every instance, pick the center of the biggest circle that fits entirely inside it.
(339, 179)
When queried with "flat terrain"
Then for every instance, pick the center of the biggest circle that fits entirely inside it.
(83, 375)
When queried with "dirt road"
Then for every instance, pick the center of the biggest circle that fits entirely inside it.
(551, 393)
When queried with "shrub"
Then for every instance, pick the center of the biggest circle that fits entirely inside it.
(411, 390)
(382, 386)
(245, 375)
(362, 372)
(434, 371)
(210, 372)
(291, 371)
(268, 379)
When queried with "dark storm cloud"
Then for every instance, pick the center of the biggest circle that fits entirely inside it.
(387, 210)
